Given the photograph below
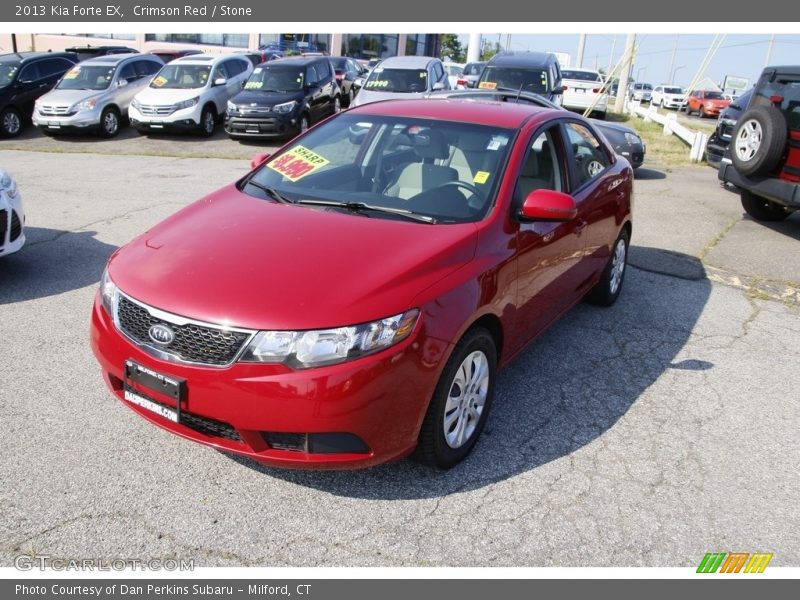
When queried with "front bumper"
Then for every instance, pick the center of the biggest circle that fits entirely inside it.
(777, 190)
(274, 125)
(671, 103)
(12, 225)
(242, 409)
(186, 119)
(84, 120)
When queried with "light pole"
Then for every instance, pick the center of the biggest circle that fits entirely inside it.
(672, 75)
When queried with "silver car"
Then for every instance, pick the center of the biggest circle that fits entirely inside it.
(403, 77)
(95, 94)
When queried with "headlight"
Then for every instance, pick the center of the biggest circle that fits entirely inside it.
(709, 105)
(632, 138)
(86, 104)
(8, 185)
(286, 107)
(136, 104)
(187, 103)
(232, 107)
(108, 292)
(304, 349)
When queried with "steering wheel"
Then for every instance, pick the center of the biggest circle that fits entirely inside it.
(467, 186)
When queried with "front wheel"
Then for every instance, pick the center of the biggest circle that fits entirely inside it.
(607, 290)
(303, 123)
(761, 209)
(208, 122)
(460, 404)
(109, 123)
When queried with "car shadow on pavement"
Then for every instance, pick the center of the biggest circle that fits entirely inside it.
(648, 174)
(52, 262)
(566, 390)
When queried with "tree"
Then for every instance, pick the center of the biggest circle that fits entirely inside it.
(451, 48)
(488, 50)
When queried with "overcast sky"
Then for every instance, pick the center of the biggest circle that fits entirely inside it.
(740, 55)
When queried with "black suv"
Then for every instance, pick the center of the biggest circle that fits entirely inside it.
(284, 97)
(24, 76)
(536, 72)
(718, 142)
(765, 147)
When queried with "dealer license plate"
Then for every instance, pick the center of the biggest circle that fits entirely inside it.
(172, 387)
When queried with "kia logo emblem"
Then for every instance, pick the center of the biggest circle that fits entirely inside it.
(161, 334)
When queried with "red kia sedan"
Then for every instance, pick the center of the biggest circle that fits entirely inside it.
(350, 301)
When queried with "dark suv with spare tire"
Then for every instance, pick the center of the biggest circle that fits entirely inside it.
(765, 147)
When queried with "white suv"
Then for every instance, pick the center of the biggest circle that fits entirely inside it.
(668, 96)
(189, 94)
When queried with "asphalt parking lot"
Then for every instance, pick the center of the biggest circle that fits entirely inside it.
(643, 435)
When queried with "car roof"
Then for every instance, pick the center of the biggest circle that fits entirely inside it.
(202, 59)
(580, 69)
(28, 56)
(521, 59)
(489, 112)
(299, 60)
(112, 59)
(406, 62)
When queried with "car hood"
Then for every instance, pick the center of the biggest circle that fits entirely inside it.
(258, 98)
(235, 259)
(167, 96)
(367, 96)
(69, 97)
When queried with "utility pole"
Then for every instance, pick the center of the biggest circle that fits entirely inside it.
(474, 47)
(508, 43)
(672, 60)
(769, 49)
(625, 75)
(581, 49)
(611, 56)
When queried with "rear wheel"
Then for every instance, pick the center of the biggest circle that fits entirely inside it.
(607, 290)
(762, 209)
(460, 404)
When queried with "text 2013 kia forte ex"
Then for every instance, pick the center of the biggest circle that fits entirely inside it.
(350, 300)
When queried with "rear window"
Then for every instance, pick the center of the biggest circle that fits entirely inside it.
(473, 69)
(580, 75)
(789, 92)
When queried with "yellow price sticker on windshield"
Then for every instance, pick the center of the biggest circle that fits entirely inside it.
(72, 73)
(378, 83)
(253, 85)
(297, 163)
(159, 81)
(487, 85)
(481, 177)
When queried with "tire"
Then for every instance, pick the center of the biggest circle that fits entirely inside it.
(109, 122)
(350, 97)
(303, 123)
(607, 290)
(337, 105)
(208, 122)
(701, 113)
(10, 122)
(758, 140)
(457, 413)
(688, 110)
(762, 209)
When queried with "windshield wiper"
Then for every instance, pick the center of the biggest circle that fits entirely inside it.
(361, 207)
(271, 191)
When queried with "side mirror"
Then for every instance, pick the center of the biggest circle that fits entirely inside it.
(359, 82)
(122, 82)
(220, 81)
(438, 86)
(560, 89)
(258, 160)
(548, 205)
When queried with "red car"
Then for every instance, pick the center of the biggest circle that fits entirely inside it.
(706, 103)
(351, 300)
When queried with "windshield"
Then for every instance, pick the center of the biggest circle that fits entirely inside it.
(397, 80)
(182, 77)
(580, 75)
(7, 73)
(714, 96)
(673, 90)
(443, 170)
(515, 78)
(87, 77)
(276, 78)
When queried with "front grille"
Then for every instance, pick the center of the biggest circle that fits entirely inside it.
(47, 110)
(156, 110)
(16, 226)
(204, 425)
(192, 342)
(255, 110)
(3, 227)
